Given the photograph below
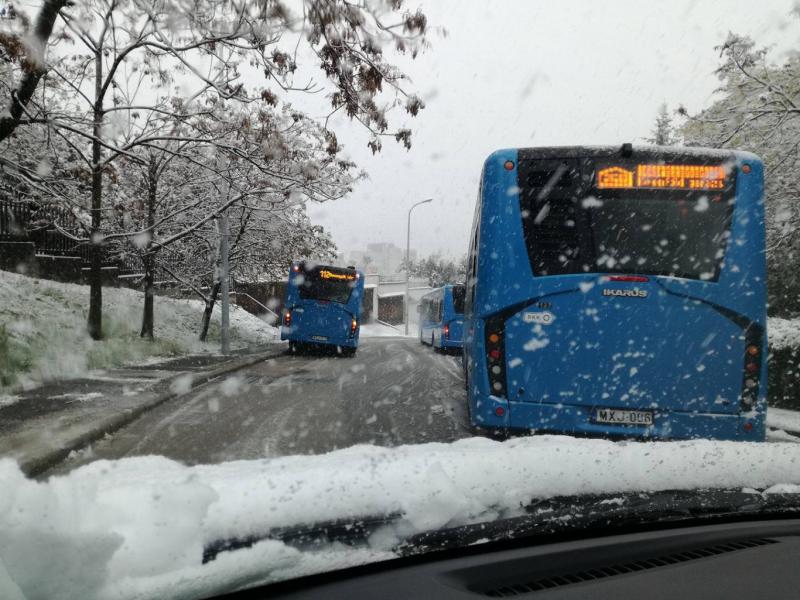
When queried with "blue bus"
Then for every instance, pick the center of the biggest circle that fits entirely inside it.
(323, 307)
(618, 292)
(441, 317)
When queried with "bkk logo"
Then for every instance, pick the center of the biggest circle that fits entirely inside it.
(634, 293)
(540, 318)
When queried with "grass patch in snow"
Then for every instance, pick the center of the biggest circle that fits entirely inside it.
(120, 344)
(14, 358)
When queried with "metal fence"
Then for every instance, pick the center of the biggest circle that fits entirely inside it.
(52, 229)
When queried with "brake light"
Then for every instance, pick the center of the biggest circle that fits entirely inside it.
(446, 330)
(631, 278)
(287, 318)
(296, 268)
(353, 326)
(495, 352)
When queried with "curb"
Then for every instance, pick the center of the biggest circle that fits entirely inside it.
(36, 466)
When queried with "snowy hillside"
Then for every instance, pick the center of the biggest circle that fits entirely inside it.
(43, 330)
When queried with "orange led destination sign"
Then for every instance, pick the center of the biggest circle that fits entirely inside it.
(325, 274)
(688, 177)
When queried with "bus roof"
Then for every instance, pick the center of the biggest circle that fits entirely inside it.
(609, 151)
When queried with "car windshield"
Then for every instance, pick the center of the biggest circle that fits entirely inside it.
(294, 286)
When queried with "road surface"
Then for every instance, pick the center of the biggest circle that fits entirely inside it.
(394, 391)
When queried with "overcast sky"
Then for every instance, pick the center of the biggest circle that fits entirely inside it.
(534, 73)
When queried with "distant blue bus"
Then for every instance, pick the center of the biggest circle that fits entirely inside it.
(441, 317)
(322, 308)
(618, 292)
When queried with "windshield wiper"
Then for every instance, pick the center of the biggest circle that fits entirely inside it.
(607, 512)
(346, 531)
(540, 519)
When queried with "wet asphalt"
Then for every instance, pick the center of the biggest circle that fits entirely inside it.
(394, 391)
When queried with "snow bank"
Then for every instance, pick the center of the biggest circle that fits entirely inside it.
(135, 528)
(43, 330)
(380, 330)
(783, 419)
(783, 333)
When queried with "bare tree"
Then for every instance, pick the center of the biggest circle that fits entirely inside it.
(120, 48)
(438, 270)
(758, 109)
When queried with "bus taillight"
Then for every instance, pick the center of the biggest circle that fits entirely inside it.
(446, 331)
(752, 369)
(287, 318)
(495, 351)
(353, 326)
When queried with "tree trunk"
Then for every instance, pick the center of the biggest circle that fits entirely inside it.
(147, 314)
(209, 309)
(149, 258)
(95, 324)
(34, 66)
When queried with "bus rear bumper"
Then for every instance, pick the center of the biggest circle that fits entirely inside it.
(344, 342)
(454, 344)
(576, 420)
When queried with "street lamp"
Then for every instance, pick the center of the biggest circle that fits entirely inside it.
(408, 258)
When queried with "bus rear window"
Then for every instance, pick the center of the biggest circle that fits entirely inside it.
(662, 227)
(459, 294)
(328, 284)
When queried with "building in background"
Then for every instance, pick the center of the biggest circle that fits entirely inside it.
(383, 258)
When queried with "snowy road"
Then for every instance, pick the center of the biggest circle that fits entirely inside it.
(394, 391)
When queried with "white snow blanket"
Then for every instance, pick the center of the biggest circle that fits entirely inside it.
(783, 333)
(45, 322)
(136, 528)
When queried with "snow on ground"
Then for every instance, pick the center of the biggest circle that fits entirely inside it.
(783, 333)
(136, 528)
(382, 330)
(785, 420)
(43, 330)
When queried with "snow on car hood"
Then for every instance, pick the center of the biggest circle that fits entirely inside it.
(136, 528)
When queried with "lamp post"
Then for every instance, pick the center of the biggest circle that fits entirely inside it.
(408, 258)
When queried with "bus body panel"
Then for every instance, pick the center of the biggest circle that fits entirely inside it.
(677, 351)
(315, 321)
(441, 324)
(646, 353)
(429, 319)
(322, 323)
(455, 337)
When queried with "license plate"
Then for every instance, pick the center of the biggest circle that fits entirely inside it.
(615, 416)
(319, 338)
